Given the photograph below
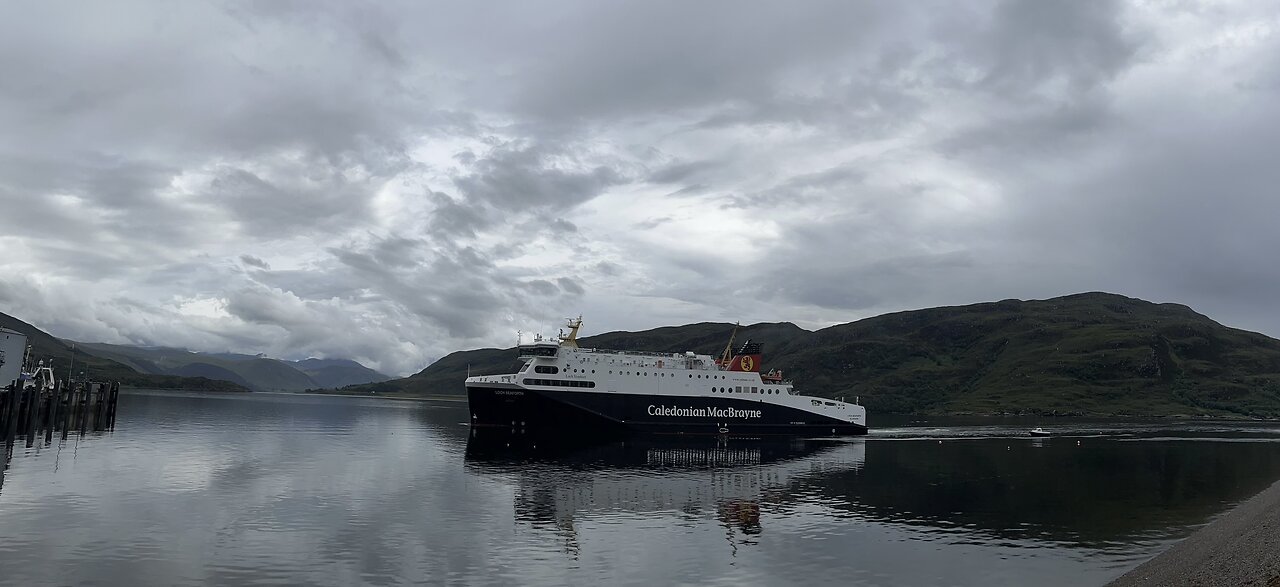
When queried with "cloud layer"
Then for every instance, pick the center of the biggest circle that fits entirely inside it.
(393, 181)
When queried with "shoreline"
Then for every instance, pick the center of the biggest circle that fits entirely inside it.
(409, 398)
(1242, 547)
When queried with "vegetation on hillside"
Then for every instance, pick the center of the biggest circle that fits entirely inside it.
(1084, 354)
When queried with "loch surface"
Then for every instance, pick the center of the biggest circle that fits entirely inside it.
(277, 489)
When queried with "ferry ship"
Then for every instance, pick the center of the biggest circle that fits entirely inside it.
(564, 389)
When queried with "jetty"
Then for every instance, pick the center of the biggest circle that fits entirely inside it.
(30, 411)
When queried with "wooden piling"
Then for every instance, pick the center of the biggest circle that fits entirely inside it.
(115, 401)
(55, 404)
(7, 412)
(33, 412)
(14, 402)
(33, 415)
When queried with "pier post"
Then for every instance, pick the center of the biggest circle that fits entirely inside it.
(15, 403)
(86, 393)
(55, 405)
(4, 411)
(7, 411)
(68, 411)
(111, 407)
(33, 415)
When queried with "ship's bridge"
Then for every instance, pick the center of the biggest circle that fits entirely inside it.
(540, 348)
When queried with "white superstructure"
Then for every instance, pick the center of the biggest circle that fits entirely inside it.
(562, 366)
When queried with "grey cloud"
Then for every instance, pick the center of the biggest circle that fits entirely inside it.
(517, 178)
(1029, 41)
(680, 172)
(541, 287)
(651, 223)
(253, 261)
(606, 268)
(451, 217)
(570, 286)
(290, 204)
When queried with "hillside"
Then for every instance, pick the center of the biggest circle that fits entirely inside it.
(252, 371)
(45, 346)
(1084, 354)
(334, 373)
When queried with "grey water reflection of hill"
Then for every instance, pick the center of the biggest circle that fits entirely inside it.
(1093, 504)
(1097, 493)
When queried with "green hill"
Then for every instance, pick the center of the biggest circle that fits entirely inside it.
(1084, 354)
(60, 355)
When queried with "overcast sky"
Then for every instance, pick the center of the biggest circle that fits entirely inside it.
(392, 181)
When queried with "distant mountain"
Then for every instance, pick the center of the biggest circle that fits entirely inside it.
(1084, 354)
(335, 373)
(60, 355)
(256, 372)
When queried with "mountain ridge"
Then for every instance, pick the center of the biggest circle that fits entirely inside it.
(1091, 353)
(257, 372)
(75, 360)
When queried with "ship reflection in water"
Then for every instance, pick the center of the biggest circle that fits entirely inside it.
(699, 477)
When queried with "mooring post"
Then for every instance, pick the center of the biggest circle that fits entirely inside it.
(68, 411)
(47, 421)
(14, 402)
(115, 400)
(55, 405)
(82, 418)
(6, 413)
(84, 407)
(33, 416)
(104, 396)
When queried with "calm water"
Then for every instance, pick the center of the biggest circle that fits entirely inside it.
(279, 489)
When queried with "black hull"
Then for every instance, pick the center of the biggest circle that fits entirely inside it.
(568, 413)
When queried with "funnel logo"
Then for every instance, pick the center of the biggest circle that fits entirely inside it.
(747, 363)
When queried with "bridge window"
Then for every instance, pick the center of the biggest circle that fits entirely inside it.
(537, 351)
(547, 369)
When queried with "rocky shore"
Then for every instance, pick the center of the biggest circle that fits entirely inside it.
(1240, 548)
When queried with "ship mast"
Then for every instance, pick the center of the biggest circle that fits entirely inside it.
(571, 340)
(728, 349)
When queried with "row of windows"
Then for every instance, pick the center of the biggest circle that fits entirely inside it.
(660, 374)
(547, 369)
(559, 383)
(740, 389)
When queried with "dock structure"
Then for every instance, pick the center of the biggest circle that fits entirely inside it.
(29, 412)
